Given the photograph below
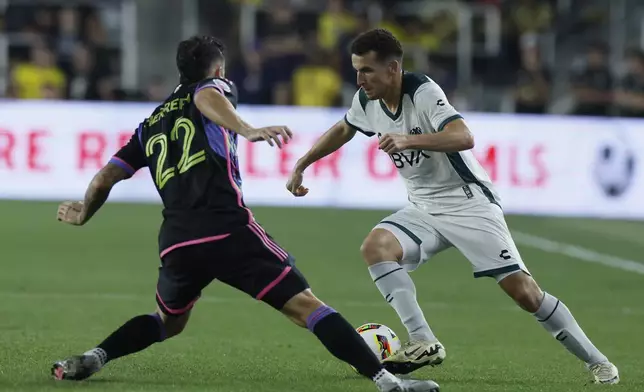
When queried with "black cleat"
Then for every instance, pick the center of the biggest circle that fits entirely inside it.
(76, 368)
(403, 367)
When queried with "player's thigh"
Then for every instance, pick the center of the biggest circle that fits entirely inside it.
(415, 233)
(261, 268)
(182, 276)
(481, 234)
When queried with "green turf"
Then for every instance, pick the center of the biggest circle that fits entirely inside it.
(64, 288)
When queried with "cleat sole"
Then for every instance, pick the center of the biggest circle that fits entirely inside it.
(408, 367)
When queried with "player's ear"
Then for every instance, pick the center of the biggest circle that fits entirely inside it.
(395, 66)
(220, 71)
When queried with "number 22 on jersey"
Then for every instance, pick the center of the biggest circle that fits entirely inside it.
(187, 161)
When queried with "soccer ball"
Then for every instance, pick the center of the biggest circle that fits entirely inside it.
(380, 339)
(615, 167)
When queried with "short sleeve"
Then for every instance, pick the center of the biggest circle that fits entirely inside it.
(131, 156)
(356, 117)
(432, 105)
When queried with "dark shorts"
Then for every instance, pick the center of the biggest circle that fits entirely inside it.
(248, 260)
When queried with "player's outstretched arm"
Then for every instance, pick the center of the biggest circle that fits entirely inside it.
(216, 107)
(79, 212)
(331, 141)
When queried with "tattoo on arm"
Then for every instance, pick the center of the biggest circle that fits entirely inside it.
(100, 187)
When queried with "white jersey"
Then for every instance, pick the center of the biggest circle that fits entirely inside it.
(436, 182)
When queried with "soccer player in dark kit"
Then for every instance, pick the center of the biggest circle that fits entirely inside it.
(189, 145)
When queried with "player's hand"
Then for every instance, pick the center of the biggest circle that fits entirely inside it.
(391, 143)
(294, 184)
(71, 212)
(271, 135)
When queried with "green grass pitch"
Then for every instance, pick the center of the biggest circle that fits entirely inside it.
(63, 289)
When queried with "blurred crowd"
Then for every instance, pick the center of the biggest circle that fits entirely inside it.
(300, 54)
(302, 58)
(67, 53)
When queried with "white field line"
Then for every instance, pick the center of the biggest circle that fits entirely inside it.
(577, 252)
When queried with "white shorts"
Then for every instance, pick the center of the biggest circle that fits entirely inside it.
(479, 233)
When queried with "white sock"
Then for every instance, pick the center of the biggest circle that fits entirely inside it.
(557, 319)
(399, 290)
(100, 355)
(385, 381)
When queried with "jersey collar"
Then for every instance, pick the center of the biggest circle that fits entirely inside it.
(395, 116)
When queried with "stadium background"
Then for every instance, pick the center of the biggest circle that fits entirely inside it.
(552, 90)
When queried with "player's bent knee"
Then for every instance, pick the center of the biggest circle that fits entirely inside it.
(522, 288)
(381, 245)
(173, 325)
(301, 306)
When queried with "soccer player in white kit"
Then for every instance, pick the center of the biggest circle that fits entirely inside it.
(452, 202)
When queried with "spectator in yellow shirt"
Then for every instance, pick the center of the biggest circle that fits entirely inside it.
(317, 83)
(532, 16)
(40, 78)
(390, 23)
(334, 22)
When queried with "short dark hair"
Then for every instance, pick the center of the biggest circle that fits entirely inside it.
(195, 57)
(380, 41)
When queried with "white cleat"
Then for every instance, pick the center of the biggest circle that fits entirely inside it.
(411, 386)
(415, 355)
(605, 373)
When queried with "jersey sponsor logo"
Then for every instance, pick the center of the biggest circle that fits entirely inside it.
(440, 102)
(505, 254)
(410, 158)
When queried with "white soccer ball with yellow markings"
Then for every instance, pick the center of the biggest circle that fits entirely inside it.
(380, 339)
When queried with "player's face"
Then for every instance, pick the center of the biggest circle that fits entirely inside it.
(374, 76)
